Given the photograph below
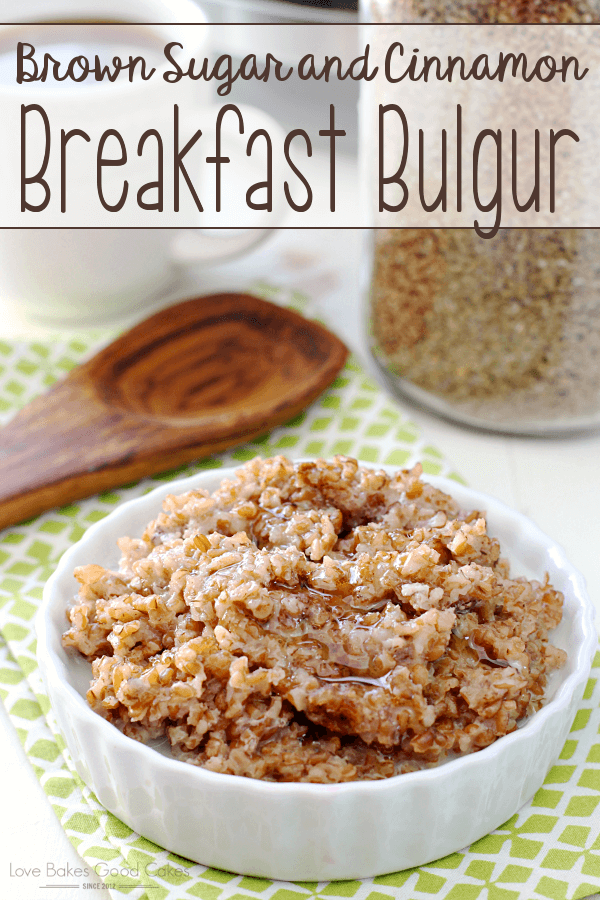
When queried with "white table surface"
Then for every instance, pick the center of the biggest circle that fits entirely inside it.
(556, 482)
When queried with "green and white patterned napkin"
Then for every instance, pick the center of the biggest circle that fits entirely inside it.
(550, 849)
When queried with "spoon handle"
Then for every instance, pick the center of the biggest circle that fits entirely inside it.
(61, 447)
(67, 444)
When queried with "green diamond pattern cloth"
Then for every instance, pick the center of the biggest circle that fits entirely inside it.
(550, 849)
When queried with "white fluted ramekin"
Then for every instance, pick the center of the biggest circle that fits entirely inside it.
(312, 831)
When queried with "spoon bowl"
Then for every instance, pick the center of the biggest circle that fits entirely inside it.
(191, 380)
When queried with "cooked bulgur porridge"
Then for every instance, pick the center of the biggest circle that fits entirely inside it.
(315, 621)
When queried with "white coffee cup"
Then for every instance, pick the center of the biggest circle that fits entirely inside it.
(83, 275)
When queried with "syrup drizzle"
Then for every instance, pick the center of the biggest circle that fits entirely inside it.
(360, 679)
(482, 656)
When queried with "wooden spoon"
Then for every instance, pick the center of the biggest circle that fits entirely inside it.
(187, 382)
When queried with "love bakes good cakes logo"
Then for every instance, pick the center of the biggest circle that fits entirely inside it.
(62, 875)
(128, 125)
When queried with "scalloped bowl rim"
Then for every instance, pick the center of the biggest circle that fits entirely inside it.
(52, 665)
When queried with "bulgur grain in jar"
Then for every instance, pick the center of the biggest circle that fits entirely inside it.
(502, 333)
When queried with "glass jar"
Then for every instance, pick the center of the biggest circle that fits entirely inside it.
(502, 334)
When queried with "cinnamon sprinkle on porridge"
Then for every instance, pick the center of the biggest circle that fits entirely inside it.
(315, 621)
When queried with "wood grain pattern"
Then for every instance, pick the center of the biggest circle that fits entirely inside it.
(189, 381)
